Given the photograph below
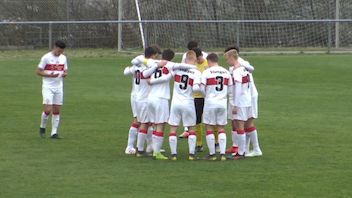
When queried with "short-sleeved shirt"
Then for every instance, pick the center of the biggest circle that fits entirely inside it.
(53, 64)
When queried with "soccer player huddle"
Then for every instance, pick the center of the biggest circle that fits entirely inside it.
(204, 94)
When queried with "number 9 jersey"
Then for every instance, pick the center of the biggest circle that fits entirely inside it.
(182, 105)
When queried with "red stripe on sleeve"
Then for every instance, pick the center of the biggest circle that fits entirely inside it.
(165, 70)
(245, 79)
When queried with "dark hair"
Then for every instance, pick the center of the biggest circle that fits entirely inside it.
(168, 55)
(198, 51)
(156, 47)
(192, 44)
(213, 58)
(60, 44)
(231, 48)
(149, 51)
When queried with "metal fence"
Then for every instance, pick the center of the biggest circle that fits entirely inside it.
(257, 34)
(253, 24)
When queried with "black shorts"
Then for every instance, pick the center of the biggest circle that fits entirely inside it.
(199, 105)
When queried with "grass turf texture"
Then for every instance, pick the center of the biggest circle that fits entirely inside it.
(304, 130)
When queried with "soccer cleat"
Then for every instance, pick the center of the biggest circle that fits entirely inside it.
(217, 148)
(148, 154)
(184, 135)
(238, 157)
(254, 154)
(55, 136)
(192, 157)
(130, 151)
(140, 154)
(211, 157)
(42, 132)
(232, 149)
(173, 157)
(159, 156)
(199, 148)
(223, 157)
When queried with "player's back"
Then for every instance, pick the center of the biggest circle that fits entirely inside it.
(217, 79)
(162, 89)
(141, 86)
(183, 85)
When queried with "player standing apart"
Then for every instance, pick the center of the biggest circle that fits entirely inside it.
(218, 86)
(53, 69)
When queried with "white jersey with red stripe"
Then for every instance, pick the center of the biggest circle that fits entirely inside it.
(242, 89)
(161, 89)
(216, 79)
(140, 89)
(184, 81)
(53, 64)
(250, 68)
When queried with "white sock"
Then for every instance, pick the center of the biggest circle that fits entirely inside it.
(247, 142)
(241, 142)
(132, 135)
(253, 136)
(222, 142)
(142, 135)
(173, 143)
(234, 139)
(44, 119)
(149, 148)
(158, 138)
(211, 142)
(192, 139)
(55, 121)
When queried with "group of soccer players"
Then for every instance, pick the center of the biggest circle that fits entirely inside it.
(204, 93)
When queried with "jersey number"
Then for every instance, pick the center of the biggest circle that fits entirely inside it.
(157, 73)
(138, 77)
(184, 81)
(220, 83)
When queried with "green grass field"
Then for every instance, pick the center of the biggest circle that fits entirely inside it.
(304, 129)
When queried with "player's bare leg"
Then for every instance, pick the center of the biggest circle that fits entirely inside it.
(55, 121)
(252, 137)
(44, 119)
